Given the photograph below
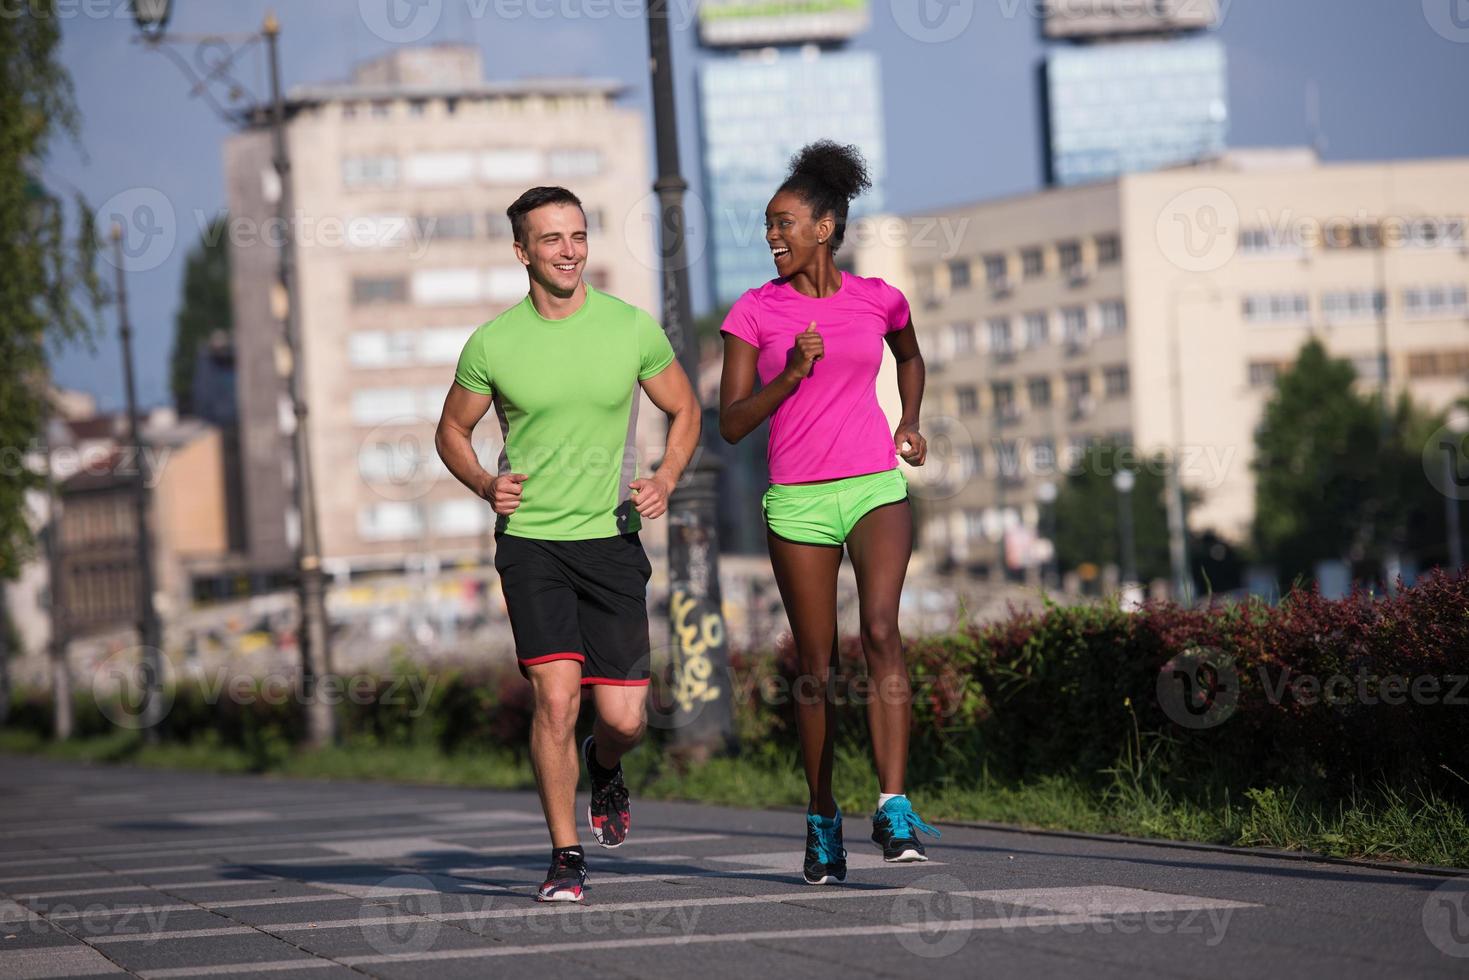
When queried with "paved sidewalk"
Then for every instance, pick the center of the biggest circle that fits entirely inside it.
(131, 872)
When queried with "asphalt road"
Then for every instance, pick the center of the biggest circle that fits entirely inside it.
(123, 872)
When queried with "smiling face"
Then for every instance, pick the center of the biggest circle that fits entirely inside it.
(795, 238)
(555, 247)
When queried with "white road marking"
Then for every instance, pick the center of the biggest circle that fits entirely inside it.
(1103, 900)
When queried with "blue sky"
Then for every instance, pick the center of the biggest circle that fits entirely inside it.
(962, 116)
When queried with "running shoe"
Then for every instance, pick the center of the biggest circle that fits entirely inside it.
(826, 858)
(567, 879)
(895, 829)
(608, 813)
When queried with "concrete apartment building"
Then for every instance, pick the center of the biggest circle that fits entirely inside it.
(401, 180)
(1156, 310)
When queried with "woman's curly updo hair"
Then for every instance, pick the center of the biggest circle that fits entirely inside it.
(827, 176)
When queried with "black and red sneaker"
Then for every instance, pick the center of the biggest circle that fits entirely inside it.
(567, 879)
(608, 814)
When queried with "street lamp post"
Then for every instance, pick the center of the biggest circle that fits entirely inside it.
(1046, 493)
(702, 717)
(314, 638)
(150, 632)
(1124, 481)
(1458, 425)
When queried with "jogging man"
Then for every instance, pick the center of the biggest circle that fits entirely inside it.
(562, 370)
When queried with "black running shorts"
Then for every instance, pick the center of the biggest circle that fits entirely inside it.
(578, 600)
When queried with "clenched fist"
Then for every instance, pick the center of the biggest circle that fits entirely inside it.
(805, 352)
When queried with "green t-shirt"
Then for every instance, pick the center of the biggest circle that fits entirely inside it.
(566, 394)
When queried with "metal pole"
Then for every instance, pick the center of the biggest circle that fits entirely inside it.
(1177, 525)
(702, 717)
(63, 715)
(313, 635)
(150, 632)
(1451, 507)
(1125, 533)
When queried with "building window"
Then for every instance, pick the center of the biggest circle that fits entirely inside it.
(1115, 381)
(968, 400)
(1069, 254)
(1078, 386)
(417, 107)
(1037, 330)
(1112, 315)
(511, 166)
(598, 278)
(1277, 308)
(440, 169)
(1439, 364)
(959, 274)
(575, 163)
(1109, 250)
(999, 335)
(498, 226)
(995, 269)
(1435, 301)
(382, 110)
(962, 338)
(1003, 393)
(460, 518)
(372, 406)
(1073, 326)
(1434, 233)
(1007, 457)
(349, 110)
(446, 287)
(971, 462)
(1032, 263)
(594, 220)
(1038, 390)
(1043, 455)
(1342, 307)
(445, 227)
(370, 171)
(1267, 242)
(368, 290)
(390, 520)
(1369, 368)
(1263, 374)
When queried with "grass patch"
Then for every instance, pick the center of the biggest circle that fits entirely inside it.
(1413, 825)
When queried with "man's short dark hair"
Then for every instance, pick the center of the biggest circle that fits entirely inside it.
(534, 198)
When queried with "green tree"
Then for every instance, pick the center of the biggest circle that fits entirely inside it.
(1087, 528)
(49, 278)
(205, 308)
(1319, 466)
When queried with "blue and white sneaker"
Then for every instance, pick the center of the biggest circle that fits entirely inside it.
(826, 858)
(895, 829)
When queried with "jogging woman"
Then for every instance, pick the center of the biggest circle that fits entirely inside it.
(814, 336)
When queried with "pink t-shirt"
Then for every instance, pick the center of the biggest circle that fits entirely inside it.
(831, 426)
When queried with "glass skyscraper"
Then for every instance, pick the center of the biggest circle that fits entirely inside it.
(758, 108)
(1125, 107)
